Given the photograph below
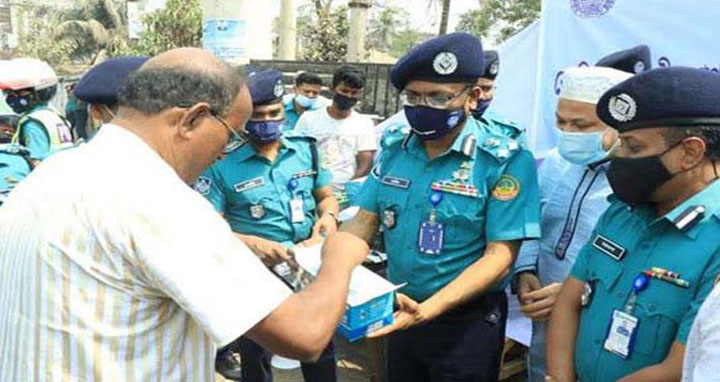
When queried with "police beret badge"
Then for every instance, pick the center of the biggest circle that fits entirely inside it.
(279, 89)
(622, 107)
(445, 63)
(494, 68)
(640, 67)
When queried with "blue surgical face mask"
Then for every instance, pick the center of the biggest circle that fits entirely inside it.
(264, 131)
(429, 123)
(582, 148)
(482, 106)
(305, 102)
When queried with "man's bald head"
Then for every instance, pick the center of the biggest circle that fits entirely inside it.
(181, 77)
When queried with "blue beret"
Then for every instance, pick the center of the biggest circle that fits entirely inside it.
(455, 57)
(266, 87)
(102, 82)
(492, 64)
(633, 60)
(667, 97)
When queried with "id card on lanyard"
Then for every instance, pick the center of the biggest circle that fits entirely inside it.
(431, 236)
(297, 207)
(623, 326)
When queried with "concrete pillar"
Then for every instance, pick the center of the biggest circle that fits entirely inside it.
(225, 30)
(288, 30)
(358, 29)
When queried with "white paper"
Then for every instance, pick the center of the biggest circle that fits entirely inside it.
(364, 284)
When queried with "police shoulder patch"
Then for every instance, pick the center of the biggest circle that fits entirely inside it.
(507, 188)
(202, 185)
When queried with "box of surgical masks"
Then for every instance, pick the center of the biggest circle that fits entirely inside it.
(370, 297)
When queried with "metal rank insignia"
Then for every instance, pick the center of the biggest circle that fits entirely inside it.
(456, 188)
(462, 175)
(491, 142)
(389, 218)
(257, 211)
(587, 294)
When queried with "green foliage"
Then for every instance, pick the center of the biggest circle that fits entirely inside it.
(179, 24)
(324, 34)
(39, 42)
(389, 31)
(511, 16)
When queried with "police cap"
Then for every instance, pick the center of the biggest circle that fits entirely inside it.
(492, 64)
(633, 60)
(102, 82)
(266, 87)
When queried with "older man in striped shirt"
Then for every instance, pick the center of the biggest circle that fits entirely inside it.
(123, 272)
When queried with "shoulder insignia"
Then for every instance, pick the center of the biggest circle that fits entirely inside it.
(469, 145)
(507, 188)
(689, 218)
(406, 141)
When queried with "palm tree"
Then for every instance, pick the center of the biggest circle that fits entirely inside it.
(96, 28)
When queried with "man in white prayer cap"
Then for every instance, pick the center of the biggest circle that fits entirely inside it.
(573, 191)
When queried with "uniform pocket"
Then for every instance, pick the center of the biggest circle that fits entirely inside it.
(661, 310)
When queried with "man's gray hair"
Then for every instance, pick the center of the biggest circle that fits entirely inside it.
(152, 90)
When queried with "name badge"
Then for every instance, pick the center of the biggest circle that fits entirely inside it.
(609, 247)
(304, 174)
(431, 238)
(395, 182)
(621, 337)
(297, 211)
(250, 184)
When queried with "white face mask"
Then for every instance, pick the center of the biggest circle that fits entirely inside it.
(583, 148)
(305, 102)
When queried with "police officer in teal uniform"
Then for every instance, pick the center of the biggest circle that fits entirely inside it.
(625, 312)
(634, 60)
(99, 88)
(14, 159)
(483, 111)
(275, 195)
(454, 200)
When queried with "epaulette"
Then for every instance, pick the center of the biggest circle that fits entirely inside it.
(499, 146)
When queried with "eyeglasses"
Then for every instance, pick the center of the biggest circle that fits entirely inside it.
(436, 100)
(234, 140)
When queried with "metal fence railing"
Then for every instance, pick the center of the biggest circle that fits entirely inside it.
(379, 98)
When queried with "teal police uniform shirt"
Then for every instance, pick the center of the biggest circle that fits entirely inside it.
(629, 241)
(291, 116)
(496, 200)
(14, 166)
(253, 194)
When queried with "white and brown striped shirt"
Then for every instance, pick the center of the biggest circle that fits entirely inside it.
(112, 269)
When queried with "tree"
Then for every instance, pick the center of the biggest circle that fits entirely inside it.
(40, 42)
(509, 16)
(385, 26)
(179, 24)
(445, 17)
(324, 33)
(95, 28)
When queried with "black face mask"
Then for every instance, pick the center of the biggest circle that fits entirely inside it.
(343, 102)
(634, 180)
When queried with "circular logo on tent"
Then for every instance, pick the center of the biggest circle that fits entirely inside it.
(445, 63)
(591, 8)
(622, 107)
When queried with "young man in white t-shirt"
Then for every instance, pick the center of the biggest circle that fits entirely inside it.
(345, 138)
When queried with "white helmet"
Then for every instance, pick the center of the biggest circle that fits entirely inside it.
(26, 73)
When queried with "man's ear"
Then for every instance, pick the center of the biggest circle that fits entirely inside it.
(694, 149)
(472, 100)
(190, 118)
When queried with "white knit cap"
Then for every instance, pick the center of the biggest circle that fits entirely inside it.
(589, 83)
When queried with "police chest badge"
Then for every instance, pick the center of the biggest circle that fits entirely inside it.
(202, 185)
(389, 218)
(591, 8)
(257, 211)
(507, 188)
(445, 63)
